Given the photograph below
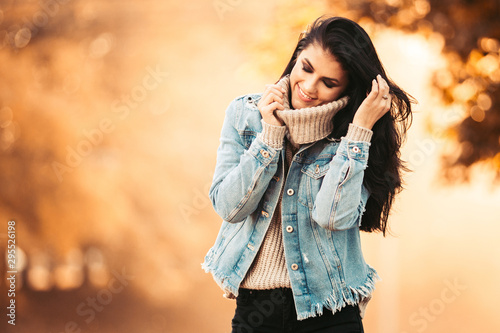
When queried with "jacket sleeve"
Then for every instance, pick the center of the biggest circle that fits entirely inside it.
(241, 175)
(341, 200)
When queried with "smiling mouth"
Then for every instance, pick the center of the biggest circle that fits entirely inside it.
(303, 96)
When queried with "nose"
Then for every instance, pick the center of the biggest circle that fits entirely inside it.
(309, 87)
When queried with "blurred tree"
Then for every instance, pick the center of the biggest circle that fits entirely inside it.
(52, 58)
(470, 31)
(78, 167)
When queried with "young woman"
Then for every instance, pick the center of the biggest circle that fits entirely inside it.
(301, 169)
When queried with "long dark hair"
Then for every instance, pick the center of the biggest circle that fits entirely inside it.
(353, 49)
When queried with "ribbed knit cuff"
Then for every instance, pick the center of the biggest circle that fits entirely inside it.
(358, 133)
(272, 135)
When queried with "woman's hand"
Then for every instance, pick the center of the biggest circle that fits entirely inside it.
(271, 100)
(375, 105)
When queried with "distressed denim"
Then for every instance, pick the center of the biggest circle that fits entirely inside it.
(321, 209)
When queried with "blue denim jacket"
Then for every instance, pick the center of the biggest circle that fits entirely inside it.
(323, 201)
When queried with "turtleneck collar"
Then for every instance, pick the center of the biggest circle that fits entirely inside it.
(307, 125)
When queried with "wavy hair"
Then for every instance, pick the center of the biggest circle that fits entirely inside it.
(352, 48)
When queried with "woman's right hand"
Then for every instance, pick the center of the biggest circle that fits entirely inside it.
(271, 100)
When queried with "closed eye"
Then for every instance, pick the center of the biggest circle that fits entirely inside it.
(307, 67)
(329, 84)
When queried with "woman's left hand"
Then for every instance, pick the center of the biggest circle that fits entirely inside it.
(375, 105)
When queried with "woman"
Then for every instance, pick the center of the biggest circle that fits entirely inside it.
(301, 168)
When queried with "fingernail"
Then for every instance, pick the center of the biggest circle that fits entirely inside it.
(378, 75)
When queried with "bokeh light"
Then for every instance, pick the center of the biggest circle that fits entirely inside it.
(110, 115)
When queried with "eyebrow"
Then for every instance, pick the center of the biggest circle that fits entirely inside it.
(328, 78)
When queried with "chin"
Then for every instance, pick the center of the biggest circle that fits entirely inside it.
(297, 103)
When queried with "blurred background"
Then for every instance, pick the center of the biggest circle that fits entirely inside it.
(110, 114)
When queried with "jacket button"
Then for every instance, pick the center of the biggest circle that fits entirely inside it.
(290, 191)
(276, 178)
(356, 149)
(295, 267)
(266, 214)
(289, 228)
(264, 153)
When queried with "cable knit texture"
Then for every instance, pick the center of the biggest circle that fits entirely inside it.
(272, 135)
(358, 133)
(269, 269)
(308, 124)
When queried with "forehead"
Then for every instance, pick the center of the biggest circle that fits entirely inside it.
(324, 63)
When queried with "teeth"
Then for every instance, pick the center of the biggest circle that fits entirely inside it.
(304, 94)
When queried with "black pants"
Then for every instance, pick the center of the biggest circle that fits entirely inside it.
(273, 311)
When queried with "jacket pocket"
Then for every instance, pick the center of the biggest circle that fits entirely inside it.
(311, 180)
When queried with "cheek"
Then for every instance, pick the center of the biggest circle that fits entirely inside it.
(293, 76)
(330, 95)
(337, 92)
(297, 73)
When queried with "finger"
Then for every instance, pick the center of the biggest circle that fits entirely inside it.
(374, 91)
(387, 106)
(276, 90)
(384, 87)
(274, 87)
(384, 94)
(381, 85)
(271, 97)
(266, 98)
(387, 102)
(269, 86)
(266, 92)
(375, 86)
(271, 108)
(278, 87)
(276, 106)
(271, 93)
(270, 104)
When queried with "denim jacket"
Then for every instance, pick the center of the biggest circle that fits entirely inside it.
(322, 204)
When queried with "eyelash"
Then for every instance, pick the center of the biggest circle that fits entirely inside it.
(308, 70)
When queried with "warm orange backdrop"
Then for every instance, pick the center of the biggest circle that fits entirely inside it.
(110, 114)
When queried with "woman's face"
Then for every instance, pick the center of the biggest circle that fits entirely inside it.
(317, 78)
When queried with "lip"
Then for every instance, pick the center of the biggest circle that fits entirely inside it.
(302, 95)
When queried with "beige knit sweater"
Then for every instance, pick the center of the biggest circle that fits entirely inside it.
(308, 124)
(269, 269)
